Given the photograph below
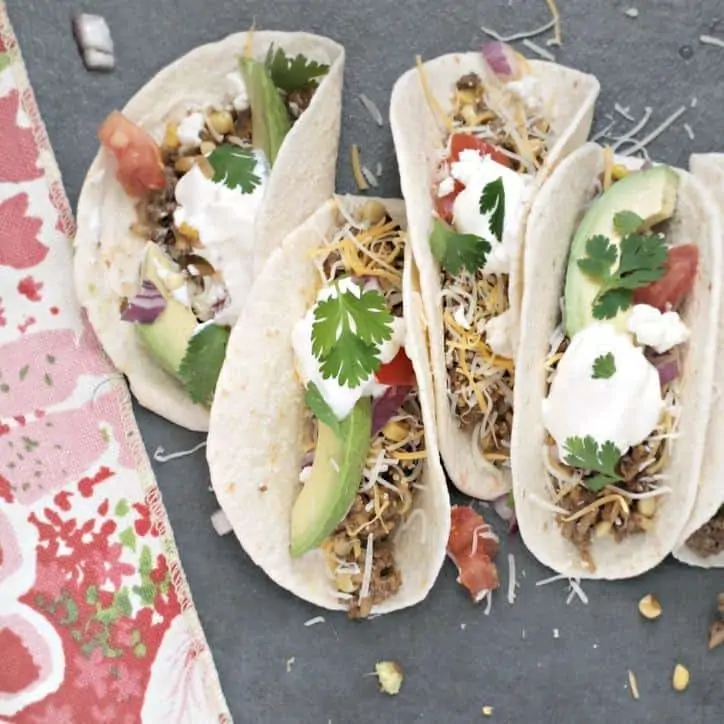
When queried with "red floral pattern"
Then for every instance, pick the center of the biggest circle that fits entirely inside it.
(90, 581)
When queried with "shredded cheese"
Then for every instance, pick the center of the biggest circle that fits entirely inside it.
(373, 110)
(633, 131)
(161, 456)
(597, 504)
(221, 523)
(367, 573)
(557, 38)
(689, 131)
(314, 621)
(711, 40)
(519, 36)
(633, 684)
(512, 580)
(359, 178)
(640, 145)
(624, 112)
(542, 52)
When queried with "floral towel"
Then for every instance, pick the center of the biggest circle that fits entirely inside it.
(96, 619)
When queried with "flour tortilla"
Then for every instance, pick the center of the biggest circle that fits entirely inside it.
(108, 256)
(255, 436)
(419, 140)
(553, 221)
(709, 169)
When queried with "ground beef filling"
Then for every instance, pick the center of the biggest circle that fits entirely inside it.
(709, 539)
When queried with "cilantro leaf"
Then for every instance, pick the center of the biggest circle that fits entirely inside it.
(604, 367)
(585, 453)
(234, 167)
(320, 409)
(200, 367)
(457, 251)
(291, 74)
(492, 201)
(608, 304)
(601, 256)
(627, 222)
(347, 333)
(642, 261)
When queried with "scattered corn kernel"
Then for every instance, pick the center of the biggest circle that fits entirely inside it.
(647, 507)
(619, 171)
(184, 163)
(680, 680)
(373, 212)
(188, 231)
(649, 607)
(603, 528)
(170, 137)
(394, 431)
(390, 676)
(207, 147)
(222, 122)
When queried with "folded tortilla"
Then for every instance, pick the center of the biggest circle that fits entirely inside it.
(302, 178)
(260, 399)
(553, 221)
(709, 169)
(419, 139)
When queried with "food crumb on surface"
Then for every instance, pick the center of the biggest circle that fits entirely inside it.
(290, 663)
(649, 607)
(633, 684)
(390, 676)
(487, 711)
(631, 12)
(556, 633)
(680, 678)
(716, 629)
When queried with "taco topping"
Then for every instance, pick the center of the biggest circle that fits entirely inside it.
(364, 423)
(498, 140)
(709, 539)
(615, 365)
(198, 190)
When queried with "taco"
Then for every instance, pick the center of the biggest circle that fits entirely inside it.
(475, 135)
(332, 480)
(702, 541)
(198, 179)
(615, 365)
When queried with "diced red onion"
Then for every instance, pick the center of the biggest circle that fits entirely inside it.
(385, 406)
(308, 459)
(502, 59)
(667, 365)
(145, 307)
(368, 283)
(94, 40)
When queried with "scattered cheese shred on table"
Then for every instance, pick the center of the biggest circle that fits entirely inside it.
(161, 456)
(557, 39)
(519, 36)
(711, 40)
(542, 52)
(633, 684)
(359, 178)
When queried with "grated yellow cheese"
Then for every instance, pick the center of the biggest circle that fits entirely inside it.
(417, 455)
(359, 177)
(597, 504)
(249, 44)
(607, 167)
(557, 36)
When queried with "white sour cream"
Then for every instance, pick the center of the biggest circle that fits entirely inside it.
(224, 220)
(659, 331)
(475, 172)
(236, 93)
(623, 408)
(499, 334)
(341, 399)
(189, 130)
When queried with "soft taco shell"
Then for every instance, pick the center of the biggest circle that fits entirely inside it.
(553, 220)
(108, 256)
(419, 138)
(255, 438)
(709, 169)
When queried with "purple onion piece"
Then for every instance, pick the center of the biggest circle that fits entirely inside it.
(385, 406)
(502, 59)
(667, 365)
(503, 506)
(145, 307)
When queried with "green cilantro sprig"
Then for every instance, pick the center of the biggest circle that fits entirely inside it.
(492, 201)
(347, 334)
(291, 74)
(199, 369)
(642, 261)
(234, 167)
(320, 409)
(455, 251)
(604, 367)
(585, 453)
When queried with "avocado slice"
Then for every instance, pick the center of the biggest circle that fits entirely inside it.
(269, 118)
(652, 195)
(333, 483)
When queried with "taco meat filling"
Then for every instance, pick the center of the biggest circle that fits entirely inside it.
(615, 365)
(367, 256)
(709, 539)
(498, 138)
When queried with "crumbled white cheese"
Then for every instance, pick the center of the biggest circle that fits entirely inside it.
(659, 331)
(189, 130)
(447, 186)
(499, 334)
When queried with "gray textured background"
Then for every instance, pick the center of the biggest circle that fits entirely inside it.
(456, 659)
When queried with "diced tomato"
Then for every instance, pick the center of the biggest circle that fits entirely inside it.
(466, 141)
(140, 165)
(472, 547)
(398, 372)
(444, 204)
(681, 267)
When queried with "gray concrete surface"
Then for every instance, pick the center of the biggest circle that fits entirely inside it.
(456, 659)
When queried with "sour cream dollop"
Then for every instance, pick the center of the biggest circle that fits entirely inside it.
(340, 398)
(660, 331)
(475, 172)
(224, 220)
(623, 408)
